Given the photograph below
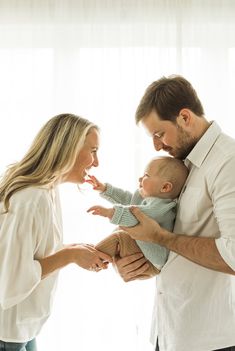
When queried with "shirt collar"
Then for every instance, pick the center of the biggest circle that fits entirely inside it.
(203, 146)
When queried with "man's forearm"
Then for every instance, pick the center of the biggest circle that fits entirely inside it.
(202, 251)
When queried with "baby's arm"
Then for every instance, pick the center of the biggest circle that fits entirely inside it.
(121, 215)
(109, 192)
(117, 215)
(156, 208)
(101, 211)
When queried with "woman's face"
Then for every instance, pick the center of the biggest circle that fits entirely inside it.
(86, 159)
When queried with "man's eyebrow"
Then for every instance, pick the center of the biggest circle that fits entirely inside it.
(158, 132)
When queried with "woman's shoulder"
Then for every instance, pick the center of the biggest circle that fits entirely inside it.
(31, 197)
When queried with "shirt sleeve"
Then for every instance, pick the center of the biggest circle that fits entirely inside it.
(223, 198)
(116, 195)
(20, 273)
(152, 207)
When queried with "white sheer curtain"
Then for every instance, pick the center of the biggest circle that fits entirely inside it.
(95, 58)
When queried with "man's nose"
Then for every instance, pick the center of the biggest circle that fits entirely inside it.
(158, 144)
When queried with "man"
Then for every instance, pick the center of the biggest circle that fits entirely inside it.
(195, 299)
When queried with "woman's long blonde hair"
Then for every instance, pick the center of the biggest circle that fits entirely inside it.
(51, 155)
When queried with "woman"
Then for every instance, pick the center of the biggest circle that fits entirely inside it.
(31, 249)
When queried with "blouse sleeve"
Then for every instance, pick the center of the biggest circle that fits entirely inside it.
(20, 273)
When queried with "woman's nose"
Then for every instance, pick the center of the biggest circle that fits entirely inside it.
(95, 162)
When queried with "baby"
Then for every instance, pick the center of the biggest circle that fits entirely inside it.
(156, 196)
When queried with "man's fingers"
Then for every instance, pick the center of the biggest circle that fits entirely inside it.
(137, 213)
(135, 266)
(130, 230)
(125, 261)
(133, 274)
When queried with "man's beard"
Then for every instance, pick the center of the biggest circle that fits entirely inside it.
(185, 144)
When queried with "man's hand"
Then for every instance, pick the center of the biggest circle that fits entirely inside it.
(147, 229)
(101, 211)
(131, 267)
(200, 250)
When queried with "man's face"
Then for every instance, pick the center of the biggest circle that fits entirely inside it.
(169, 136)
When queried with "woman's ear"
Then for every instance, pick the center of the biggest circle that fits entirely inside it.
(166, 187)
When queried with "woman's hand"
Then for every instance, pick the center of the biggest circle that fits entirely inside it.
(87, 257)
(147, 229)
(131, 267)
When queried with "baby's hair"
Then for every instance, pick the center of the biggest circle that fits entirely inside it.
(172, 170)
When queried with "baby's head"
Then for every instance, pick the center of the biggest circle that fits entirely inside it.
(164, 177)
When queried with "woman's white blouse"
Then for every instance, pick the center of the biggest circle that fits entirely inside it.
(32, 229)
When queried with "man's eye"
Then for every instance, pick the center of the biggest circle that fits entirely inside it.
(158, 135)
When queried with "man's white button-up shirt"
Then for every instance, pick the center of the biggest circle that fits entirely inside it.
(195, 306)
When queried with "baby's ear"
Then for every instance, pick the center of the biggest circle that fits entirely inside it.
(166, 187)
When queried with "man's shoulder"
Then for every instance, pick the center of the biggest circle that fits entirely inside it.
(224, 146)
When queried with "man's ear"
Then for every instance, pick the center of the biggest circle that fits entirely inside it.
(166, 187)
(185, 118)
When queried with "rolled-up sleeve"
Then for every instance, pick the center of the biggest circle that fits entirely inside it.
(224, 210)
(226, 248)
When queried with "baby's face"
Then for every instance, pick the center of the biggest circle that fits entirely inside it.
(150, 184)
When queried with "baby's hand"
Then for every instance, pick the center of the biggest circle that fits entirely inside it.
(101, 211)
(97, 185)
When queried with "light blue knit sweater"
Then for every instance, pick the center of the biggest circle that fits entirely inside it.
(161, 210)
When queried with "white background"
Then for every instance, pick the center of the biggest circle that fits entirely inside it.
(95, 59)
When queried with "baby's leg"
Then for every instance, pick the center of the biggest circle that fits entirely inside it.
(109, 245)
(120, 243)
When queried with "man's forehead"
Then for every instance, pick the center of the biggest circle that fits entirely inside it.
(153, 123)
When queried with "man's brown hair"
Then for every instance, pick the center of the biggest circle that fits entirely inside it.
(167, 97)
